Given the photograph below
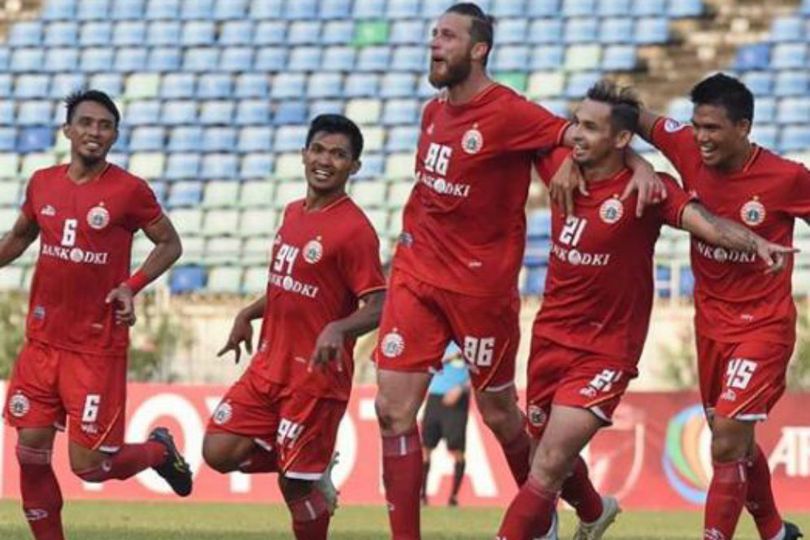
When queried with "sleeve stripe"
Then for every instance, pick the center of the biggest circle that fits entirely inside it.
(371, 290)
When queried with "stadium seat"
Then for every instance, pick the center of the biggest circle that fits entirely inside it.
(685, 8)
(62, 59)
(34, 112)
(335, 9)
(8, 142)
(364, 111)
(304, 58)
(256, 165)
(130, 59)
(265, 9)
(127, 9)
(163, 33)
(97, 59)
(759, 82)
(291, 112)
(25, 34)
(184, 194)
(220, 166)
(187, 279)
(214, 86)
(324, 85)
(178, 111)
(791, 28)
(147, 164)
(544, 84)
(162, 9)
(128, 33)
(544, 8)
(224, 250)
(182, 166)
(375, 59)
(26, 60)
(402, 9)
(255, 250)
(271, 32)
(31, 86)
(196, 9)
(6, 83)
(288, 85)
(270, 59)
(792, 83)
(580, 30)
(765, 110)
(220, 223)
(373, 167)
(399, 165)
(287, 192)
(409, 58)
(368, 9)
(582, 57)
(511, 31)
(367, 33)
(218, 139)
(616, 30)
(361, 85)
(34, 161)
(177, 86)
(765, 135)
(201, 59)
(255, 139)
(646, 8)
(147, 139)
(220, 194)
(614, 8)
(252, 112)
(255, 194)
(507, 8)
(290, 138)
(546, 57)
(61, 34)
(111, 83)
(793, 111)
(619, 58)
(5, 57)
(304, 33)
(251, 85)
(510, 58)
(756, 56)
(236, 32)
(255, 280)
(198, 33)
(578, 8)
(338, 59)
(369, 194)
(325, 106)
(579, 83)
(395, 85)
(794, 138)
(141, 86)
(35, 139)
(257, 222)
(407, 32)
(789, 56)
(337, 32)
(95, 33)
(301, 9)
(650, 30)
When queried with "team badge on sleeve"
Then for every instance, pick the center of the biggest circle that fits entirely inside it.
(671, 125)
(752, 213)
(98, 217)
(472, 141)
(392, 345)
(18, 405)
(611, 211)
(313, 251)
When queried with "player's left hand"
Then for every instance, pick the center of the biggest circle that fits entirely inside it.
(121, 299)
(566, 182)
(328, 347)
(774, 255)
(650, 189)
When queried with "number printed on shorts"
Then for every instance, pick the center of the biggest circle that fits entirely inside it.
(69, 233)
(603, 382)
(739, 373)
(479, 351)
(572, 230)
(285, 255)
(91, 404)
(288, 432)
(438, 158)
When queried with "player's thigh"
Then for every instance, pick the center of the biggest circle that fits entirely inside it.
(414, 332)
(32, 399)
(39, 438)
(399, 396)
(225, 451)
(731, 439)
(711, 358)
(307, 434)
(93, 389)
(569, 430)
(487, 329)
(548, 363)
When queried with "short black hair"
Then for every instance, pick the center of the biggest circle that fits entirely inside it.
(337, 123)
(624, 104)
(727, 92)
(482, 26)
(74, 99)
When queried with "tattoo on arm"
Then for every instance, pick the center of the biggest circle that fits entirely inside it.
(730, 234)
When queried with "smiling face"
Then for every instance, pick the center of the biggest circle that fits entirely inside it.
(595, 137)
(452, 51)
(721, 139)
(92, 131)
(328, 163)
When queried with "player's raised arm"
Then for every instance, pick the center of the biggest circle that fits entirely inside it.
(15, 241)
(646, 122)
(723, 232)
(331, 340)
(242, 329)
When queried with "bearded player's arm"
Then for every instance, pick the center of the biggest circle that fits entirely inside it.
(17, 240)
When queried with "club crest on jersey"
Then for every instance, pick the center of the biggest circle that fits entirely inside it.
(222, 414)
(18, 405)
(671, 125)
(313, 251)
(392, 345)
(753, 212)
(98, 217)
(611, 211)
(472, 141)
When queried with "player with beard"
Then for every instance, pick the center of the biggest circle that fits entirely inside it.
(73, 364)
(455, 270)
(589, 333)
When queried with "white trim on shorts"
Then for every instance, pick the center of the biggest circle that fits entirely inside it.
(499, 388)
(109, 449)
(312, 477)
(599, 413)
(754, 417)
(264, 445)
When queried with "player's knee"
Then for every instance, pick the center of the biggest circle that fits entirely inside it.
(727, 447)
(501, 421)
(393, 418)
(293, 490)
(551, 465)
(216, 458)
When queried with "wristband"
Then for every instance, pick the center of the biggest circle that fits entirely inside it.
(137, 281)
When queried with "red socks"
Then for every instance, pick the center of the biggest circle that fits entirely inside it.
(518, 454)
(759, 497)
(402, 477)
(310, 516)
(41, 496)
(725, 500)
(578, 491)
(531, 510)
(128, 461)
(259, 461)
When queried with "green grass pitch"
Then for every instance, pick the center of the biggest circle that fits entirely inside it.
(178, 521)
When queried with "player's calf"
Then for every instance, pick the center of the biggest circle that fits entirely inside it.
(41, 496)
(309, 508)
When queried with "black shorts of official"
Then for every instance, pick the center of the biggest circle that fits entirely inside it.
(448, 423)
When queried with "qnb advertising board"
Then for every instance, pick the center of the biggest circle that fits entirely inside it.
(655, 456)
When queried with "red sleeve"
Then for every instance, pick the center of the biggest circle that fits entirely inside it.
(360, 261)
(27, 207)
(671, 209)
(798, 203)
(143, 207)
(676, 141)
(547, 163)
(528, 126)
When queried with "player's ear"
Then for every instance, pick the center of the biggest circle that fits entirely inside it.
(356, 164)
(304, 155)
(743, 127)
(623, 139)
(479, 51)
(66, 130)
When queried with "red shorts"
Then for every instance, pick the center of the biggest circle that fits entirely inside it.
(559, 375)
(742, 381)
(419, 320)
(50, 384)
(301, 428)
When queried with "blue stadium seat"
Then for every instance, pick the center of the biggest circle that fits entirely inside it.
(400, 111)
(31, 86)
(407, 32)
(663, 281)
(162, 9)
(409, 58)
(255, 139)
(687, 282)
(301, 9)
(182, 166)
(27, 60)
(61, 33)
(219, 139)
(61, 59)
(647, 8)
(265, 9)
(288, 85)
(535, 282)
(539, 224)
(578, 8)
(130, 59)
(58, 10)
(619, 58)
(545, 31)
(25, 34)
(90, 10)
(751, 57)
(177, 85)
(163, 33)
(765, 135)
(402, 9)
(376, 59)
(685, 8)
(111, 83)
(290, 138)
(95, 33)
(324, 85)
(304, 58)
(7, 112)
(6, 83)
(765, 110)
(337, 32)
(544, 8)
(335, 9)
(218, 111)
(537, 252)
(361, 85)
(402, 139)
(616, 30)
(794, 138)
(788, 29)
(325, 106)
(201, 59)
(615, 8)
(789, 56)
(793, 111)
(338, 59)
(651, 30)
(140, 113)
(395, 85)
(187, 279)
(373, 166)
(546, 57)
(236, 59)
(63, 84)
(369, 9)
(219, 167)
(510, 58)
(185, 139)
(581, 30)
(805, 7)
(238, 32)
(290, 112)
(252, 112)
(196, 9)
(792, 83)
(164, 59)
(178, 112)
(184, 193)
(272, 32)
(127, 9)
(35, 139)
(5, 58)
(198, 33)
(129, 33)
(512, 31)
(214, 85)
(34, 113)
(252, 85)
(97, 59)
(759, 82)
(579, 83)
(304, 33)
(8, 139)
(256, 165)
(146, 139)
(270, 59)
(508, 8)
(680, 109)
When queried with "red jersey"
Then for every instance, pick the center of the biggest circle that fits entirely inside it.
(464, 226)
(321, 263)
(599, 286)
(734, 299)
(85, 247)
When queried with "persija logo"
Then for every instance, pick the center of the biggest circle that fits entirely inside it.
(687, 454)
